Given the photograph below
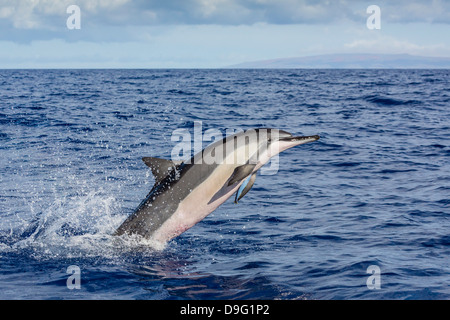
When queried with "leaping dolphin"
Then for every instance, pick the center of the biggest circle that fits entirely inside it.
(186, 192)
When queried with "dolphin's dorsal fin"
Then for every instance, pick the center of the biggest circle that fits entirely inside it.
(245, 187)
(160, 167)
(241, 172)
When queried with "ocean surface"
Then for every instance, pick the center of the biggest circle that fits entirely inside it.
(371, 194)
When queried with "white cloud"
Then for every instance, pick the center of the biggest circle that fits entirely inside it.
(389, 44)
(35, 13)
(435, 11)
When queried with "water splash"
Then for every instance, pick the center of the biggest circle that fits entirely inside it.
(74, 227)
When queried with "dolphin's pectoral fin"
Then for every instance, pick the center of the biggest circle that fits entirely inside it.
(245, 187)
(240, 173)
(160, 167)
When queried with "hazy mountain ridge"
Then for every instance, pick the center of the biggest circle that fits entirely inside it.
(352, 61)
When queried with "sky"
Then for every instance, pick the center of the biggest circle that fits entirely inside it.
(212, 33)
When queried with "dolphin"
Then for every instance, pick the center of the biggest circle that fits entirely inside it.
(185, 192)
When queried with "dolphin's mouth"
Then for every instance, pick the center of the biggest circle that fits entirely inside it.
(300, 138)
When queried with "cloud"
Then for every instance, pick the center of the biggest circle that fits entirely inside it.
(247, 12)
(435, 11)
(236, 12)
(383, 44)
(47, 14)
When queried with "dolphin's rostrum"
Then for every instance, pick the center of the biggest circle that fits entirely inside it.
(186, 192)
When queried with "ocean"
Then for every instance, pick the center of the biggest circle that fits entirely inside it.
(362, 213)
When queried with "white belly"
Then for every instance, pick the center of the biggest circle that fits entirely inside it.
(197, 205)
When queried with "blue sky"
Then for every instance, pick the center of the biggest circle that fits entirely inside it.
(212, 33)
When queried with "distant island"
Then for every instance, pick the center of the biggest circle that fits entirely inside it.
(351, 61)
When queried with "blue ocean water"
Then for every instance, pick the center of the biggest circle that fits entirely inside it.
(373, 191)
